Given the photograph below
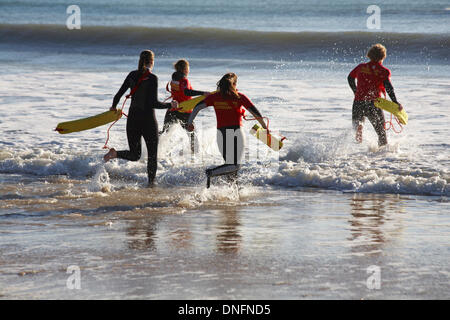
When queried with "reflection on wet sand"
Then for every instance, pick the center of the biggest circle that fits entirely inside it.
(228, 236)
(374, 221)
(181, 238)
(142, 233)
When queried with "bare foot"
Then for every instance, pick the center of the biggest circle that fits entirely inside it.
(110, 155)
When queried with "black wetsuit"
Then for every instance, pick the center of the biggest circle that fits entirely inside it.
(172, 117)
(141, 120)
(366, 108)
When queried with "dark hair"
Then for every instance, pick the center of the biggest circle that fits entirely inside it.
(181, 66)
(146, 57)
(226, 88)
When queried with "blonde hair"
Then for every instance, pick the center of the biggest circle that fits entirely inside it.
(226, 86)
(147, 57)
(377, 52)
(181, 66)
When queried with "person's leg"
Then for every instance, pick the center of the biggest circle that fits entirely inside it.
(376, 118)
(134, 134)
(183, 118)
(225, 169)
(358, 119)
(112, 154)
(228, 140)
(134, 143)
(169, 119)
(151, 141)
(237, 138)
(194, 144)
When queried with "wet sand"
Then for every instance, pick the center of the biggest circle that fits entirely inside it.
(190, 243)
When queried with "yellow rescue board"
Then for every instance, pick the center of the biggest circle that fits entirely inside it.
(392, 107)
(189, 105)
(89, 122)
(261, 134)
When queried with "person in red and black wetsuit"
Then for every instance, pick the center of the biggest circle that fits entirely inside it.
(229, 106)
(181, 90)
(373, 79)
(141, 121)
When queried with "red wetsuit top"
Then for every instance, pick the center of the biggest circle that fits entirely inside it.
(177, 89)
(229, 112)
(370, 77)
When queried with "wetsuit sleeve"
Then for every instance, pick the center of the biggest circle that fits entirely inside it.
(390, 90)
(191, 93)
(186, 88)
(248, 104)
(352, 83)
(351, 78)
(153, 95)
(198, 107)
(258, 116)
(125, 86)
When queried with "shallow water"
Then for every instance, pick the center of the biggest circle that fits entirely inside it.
(290, 244)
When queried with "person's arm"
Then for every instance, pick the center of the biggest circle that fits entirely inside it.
(390, 91)
(255, 113)
(352, 78)
(153, 96)
(191, 93)
(352, 83)
(120, 93)
(195, 111)
(248, 104)
(185, 85)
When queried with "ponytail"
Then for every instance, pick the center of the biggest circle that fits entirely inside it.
(146, 58)
(226, 86)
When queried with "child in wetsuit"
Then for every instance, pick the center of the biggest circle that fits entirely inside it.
(181, 90)
(229, 107)
(373, 79)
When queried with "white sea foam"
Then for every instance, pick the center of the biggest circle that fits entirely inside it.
(302, 166)
(314, 115)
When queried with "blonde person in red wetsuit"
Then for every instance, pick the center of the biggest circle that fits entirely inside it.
(229, 106)
(373, 79)
(181, 90)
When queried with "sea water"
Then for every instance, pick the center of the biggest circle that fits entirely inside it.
(309, 222)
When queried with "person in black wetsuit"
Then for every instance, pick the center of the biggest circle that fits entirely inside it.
(181, 90)
(141, 120)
